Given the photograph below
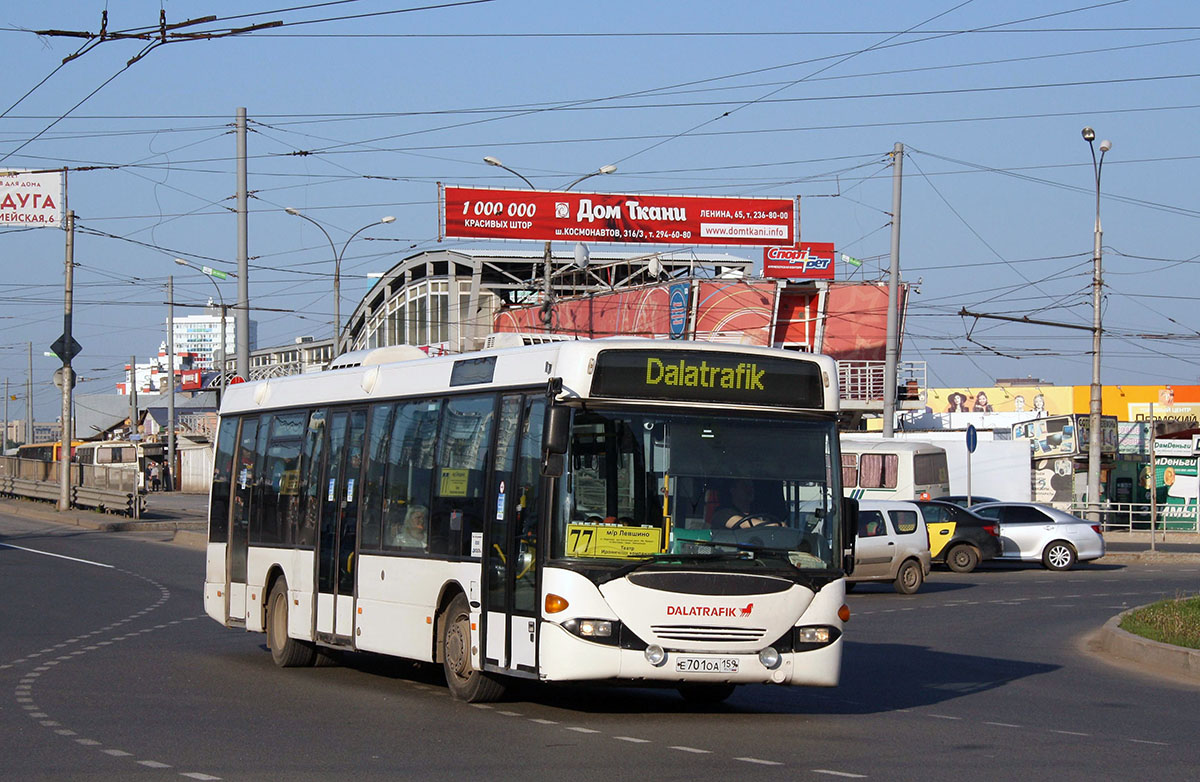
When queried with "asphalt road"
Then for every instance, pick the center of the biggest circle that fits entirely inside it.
(109, 670)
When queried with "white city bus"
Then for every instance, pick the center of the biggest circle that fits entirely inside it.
(546, 512)
(879, 469)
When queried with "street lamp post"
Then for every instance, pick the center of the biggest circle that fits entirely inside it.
(1096, 403)
(213, 275)
(547, 267)
(337, 269)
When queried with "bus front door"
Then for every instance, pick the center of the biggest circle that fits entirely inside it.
(337, 540)
(510, 561)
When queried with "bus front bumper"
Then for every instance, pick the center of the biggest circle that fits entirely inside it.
(565, 657)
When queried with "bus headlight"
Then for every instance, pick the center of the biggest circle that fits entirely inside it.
(769, 657)
(605, 631)
(812, 635)
(655, 655)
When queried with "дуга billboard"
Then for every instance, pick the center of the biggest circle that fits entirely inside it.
(551, 216)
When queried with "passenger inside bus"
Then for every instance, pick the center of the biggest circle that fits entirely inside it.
(411, 533)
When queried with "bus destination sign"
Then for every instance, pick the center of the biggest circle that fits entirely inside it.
(695, 376)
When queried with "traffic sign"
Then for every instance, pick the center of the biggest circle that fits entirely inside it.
(972, 438)
(236, 379)
(63, 350)
(58, 378)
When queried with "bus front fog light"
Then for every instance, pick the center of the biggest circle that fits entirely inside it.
(655, 655)
(812, 635)
(769, 657)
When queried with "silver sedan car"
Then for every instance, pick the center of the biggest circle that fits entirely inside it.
(1032, 532)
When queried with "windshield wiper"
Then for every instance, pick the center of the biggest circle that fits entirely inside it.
(628, 568)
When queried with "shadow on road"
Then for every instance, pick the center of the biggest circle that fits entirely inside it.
(908, 677)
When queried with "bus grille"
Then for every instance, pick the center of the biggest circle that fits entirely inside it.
(708, 634)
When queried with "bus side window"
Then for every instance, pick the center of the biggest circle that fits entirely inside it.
(409, 472)
(279, 483)
(849, 470)
(463, 453)
(879, 470)
(378, 436)
(218, 511)
(310, 486)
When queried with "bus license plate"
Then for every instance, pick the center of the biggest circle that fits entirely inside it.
(706, 665)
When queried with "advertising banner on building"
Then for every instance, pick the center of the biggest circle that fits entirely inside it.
(808, 261)
(539, 215)
(31, 200)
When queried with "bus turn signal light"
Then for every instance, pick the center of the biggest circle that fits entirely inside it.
(555, 604)
(844, 613)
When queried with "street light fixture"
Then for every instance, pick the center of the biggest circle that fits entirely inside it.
(547, 268)
(213, 275)
(337, 269)
(1096, 402)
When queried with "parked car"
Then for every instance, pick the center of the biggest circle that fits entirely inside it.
(961, 500)
(1038, 533)
(892, 545)
(958, 538)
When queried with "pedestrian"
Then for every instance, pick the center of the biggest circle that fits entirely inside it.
(155, 476)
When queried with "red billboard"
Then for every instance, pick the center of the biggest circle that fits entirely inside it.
(805, 261)
(552, 216)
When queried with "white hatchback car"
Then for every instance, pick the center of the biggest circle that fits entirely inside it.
(892, 545)
(1032, 532)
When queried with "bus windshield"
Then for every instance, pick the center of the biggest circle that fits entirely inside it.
(659, 486)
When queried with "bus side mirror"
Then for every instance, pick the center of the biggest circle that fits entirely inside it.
(849, 532)
(556, 433)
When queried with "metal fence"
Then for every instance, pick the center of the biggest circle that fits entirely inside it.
(92, 486)
(864, 380)
(1135, 517)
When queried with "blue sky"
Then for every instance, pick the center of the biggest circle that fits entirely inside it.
(356, 118)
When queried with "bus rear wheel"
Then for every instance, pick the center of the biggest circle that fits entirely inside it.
(465, 682)
(286, 652)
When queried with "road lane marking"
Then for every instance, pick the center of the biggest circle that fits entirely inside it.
(833, 773)
(152, 764)
(1003, 724)
(760, 761)
(583, 730)
(693, 750)
(59, 556)
(1070, 733)
(944, 717)
(632, 740)
(1155, 743)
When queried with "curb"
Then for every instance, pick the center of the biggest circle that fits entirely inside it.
(1149, 655)
(1146, 556)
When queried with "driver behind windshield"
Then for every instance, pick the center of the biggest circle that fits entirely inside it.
(740, 508)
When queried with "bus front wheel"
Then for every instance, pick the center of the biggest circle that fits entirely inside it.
(286, 652)
(465, 682)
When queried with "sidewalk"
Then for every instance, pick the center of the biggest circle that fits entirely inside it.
(183, 515)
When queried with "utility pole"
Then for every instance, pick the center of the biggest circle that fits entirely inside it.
(169, 482)
(133, 421)
(4, 451)
(29, 398)
(68, 374)
(242, 316)
(892, 355)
